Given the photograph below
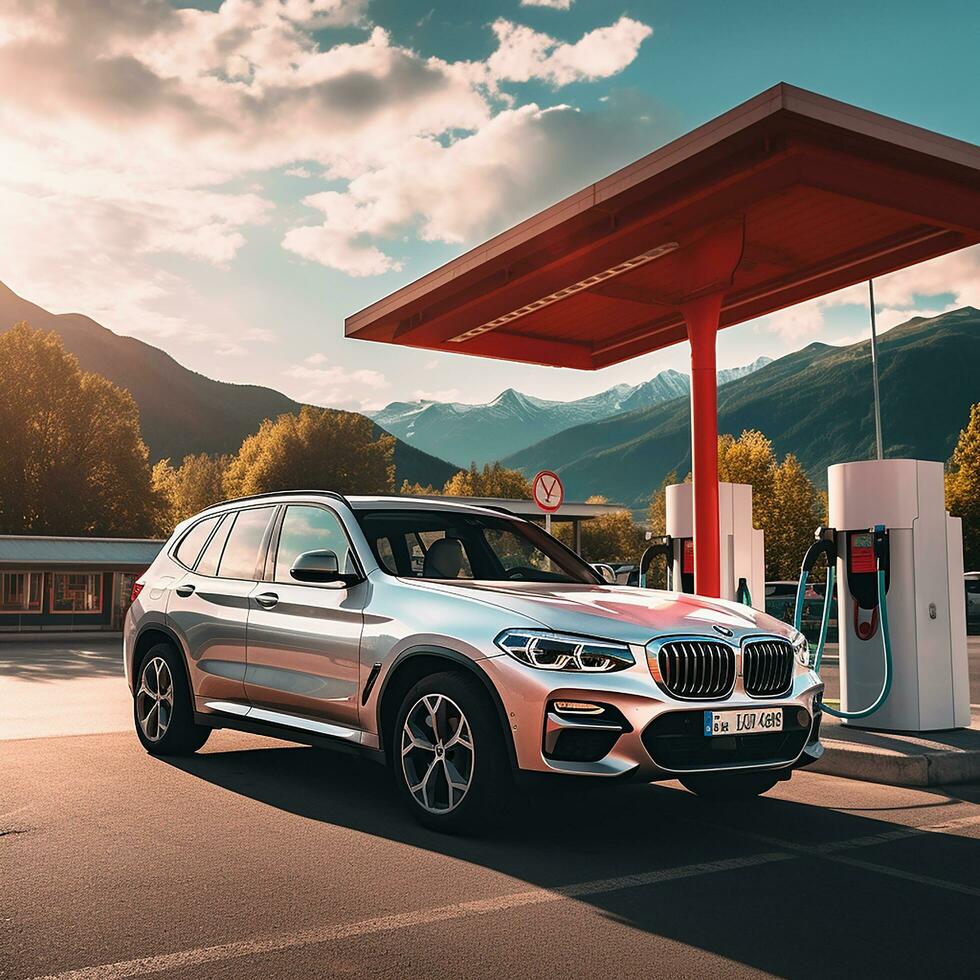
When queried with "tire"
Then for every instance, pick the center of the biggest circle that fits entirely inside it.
(461, 781)
(730, 785)
(162, 710)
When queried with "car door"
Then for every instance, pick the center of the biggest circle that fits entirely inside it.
(304, 639)
(209, 606)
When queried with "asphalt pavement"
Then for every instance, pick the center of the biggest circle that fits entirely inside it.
(257, 858)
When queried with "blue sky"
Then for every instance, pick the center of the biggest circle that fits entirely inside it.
(229, 181)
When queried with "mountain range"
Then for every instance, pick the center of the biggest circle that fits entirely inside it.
(621, 443)
(486, 432)
(816, 403)
(182, 411)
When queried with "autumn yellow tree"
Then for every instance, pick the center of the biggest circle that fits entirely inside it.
(197, 483)
(316, 449)
(748, 459)
(613, 537)
(493, 480)
(792, 512)
(417, 490)
(963, 487)
(74, 461)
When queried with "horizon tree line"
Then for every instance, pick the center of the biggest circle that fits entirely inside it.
(73, 462)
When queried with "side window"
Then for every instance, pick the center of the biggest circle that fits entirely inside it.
(241, 554)
(306, 528)
(193, 541)
(208, 565)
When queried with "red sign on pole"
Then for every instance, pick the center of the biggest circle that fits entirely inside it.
(547, 491)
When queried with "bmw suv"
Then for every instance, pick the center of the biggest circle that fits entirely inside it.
(460, 645)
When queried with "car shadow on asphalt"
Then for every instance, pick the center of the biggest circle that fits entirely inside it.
(799, 917)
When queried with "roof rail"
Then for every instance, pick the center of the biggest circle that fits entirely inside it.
(283, 493)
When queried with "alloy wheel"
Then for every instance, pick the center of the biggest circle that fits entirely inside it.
(437, 753)
(155, 699)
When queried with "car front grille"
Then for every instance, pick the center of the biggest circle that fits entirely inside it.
(767, 668)
(697, 670)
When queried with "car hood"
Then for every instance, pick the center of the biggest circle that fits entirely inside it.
(613, 612)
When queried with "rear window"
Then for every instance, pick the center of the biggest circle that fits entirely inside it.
(208, 563)
(241, 555)
(193, 541)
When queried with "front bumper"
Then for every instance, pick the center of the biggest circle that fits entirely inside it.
(644, 734)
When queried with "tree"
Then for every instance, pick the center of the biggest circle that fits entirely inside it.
(493, 480)
(748, 459)
(417, 490)
(317, 449)
(793, 511)
(74, 461)
(197, 483)
(614, 537)
(963, 487)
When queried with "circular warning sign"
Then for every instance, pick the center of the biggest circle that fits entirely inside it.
(548, 491)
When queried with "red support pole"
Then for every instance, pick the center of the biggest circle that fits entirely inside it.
(702, 328)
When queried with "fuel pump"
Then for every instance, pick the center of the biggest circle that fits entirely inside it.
(897, 558)
(662, 547)
(740, 545)
(866, 558)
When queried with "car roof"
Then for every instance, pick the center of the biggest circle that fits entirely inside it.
(365, 502)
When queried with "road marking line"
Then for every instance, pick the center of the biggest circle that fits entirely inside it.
(829, 850)
(403, 920)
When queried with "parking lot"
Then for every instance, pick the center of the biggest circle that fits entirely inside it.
(257, 858)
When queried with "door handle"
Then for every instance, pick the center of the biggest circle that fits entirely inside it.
(267, 600)
(184, 590)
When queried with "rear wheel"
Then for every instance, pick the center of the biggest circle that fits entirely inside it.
(449, 755)
(162, 706)
(730, 785)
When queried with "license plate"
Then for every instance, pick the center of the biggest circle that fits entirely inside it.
(753, 721)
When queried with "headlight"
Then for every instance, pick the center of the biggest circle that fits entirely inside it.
(559, 651)
(802, 650)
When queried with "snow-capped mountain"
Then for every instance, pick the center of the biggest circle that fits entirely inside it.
(482, 433)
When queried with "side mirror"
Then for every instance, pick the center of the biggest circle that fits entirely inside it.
(607, 573)
(319, 566)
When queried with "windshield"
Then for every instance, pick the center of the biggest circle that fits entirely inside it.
(437, 544)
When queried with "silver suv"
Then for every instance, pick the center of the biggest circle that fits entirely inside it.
(462, 646)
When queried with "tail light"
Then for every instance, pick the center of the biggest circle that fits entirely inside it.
(137, 589)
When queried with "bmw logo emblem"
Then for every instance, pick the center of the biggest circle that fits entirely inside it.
(724, 630)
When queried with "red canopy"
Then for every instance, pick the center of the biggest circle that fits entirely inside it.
(786, 197)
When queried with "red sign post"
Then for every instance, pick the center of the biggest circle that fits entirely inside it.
(548, 494)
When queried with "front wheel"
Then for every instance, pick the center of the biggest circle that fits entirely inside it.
(730, 785)
(162, 705)
(449, 755)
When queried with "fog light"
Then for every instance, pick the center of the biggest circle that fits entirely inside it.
(802, 718)
(577, 708)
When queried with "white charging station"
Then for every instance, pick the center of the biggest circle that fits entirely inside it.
(741, 546)
(925, 598)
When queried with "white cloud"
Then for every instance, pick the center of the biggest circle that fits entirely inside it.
(323, 383)
(519, 161)
(553, 4)
(523, 54)
(898, 297)
(131, 131)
